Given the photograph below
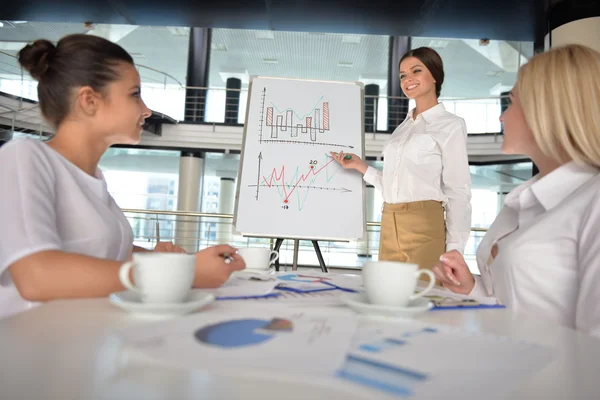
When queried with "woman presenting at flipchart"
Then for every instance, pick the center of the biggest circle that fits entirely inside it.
(425, 171)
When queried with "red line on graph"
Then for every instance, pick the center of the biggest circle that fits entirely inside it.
(281, 178)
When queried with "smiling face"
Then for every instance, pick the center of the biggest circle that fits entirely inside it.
(415, 79)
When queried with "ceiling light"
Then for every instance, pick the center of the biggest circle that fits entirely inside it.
(1, 25)
(137, 55)
(438, 44)
(345, 64)
(179, 30)
(265, 35)
(218, 46)
(494, 73)
(351, 39)
(270, 61)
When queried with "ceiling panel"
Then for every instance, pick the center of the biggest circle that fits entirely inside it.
(61, 11)
(286, 54)
(506, 19)
(298, 55)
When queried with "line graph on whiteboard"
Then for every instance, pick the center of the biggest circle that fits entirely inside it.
(289, 126)
(294, 184)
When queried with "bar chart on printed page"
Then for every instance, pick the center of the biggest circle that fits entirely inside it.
(411, 359)
(289, 186)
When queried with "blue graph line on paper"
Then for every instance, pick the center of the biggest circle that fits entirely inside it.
(387, 343)
(388, 378)
(378, 347)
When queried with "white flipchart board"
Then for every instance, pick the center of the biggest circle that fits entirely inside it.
(288, 186)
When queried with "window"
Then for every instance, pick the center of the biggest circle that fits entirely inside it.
(476, 75)
(160, 53)
(143, 179)
(239, 53)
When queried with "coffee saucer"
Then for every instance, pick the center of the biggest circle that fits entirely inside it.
(360, 303)
(130, 301)
(254, 271)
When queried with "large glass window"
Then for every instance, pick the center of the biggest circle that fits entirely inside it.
(144, 180)
(239, 53)
(160, 52)
(477, 74)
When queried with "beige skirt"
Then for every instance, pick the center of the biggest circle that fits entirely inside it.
(413, 232)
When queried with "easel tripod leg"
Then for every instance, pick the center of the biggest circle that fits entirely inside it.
(319, 256)
(278, 244)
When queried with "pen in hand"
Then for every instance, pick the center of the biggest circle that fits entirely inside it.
(346, 157)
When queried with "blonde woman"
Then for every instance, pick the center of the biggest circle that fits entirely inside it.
(425, 173)
(542, 253)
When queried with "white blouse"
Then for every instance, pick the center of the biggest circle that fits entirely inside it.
(426, 159)
(546, 244)
(47, 203)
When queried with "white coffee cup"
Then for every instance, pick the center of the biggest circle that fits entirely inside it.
(160, 277)
(389, 283)
(258, 257)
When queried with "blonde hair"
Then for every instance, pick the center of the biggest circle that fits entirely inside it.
(559, 91)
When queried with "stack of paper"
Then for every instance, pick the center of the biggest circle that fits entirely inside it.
(408, 359)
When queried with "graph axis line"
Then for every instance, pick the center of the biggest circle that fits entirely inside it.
(343, 189)
(307, 143)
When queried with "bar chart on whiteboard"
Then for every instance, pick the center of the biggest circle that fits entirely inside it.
(289, 186)
(288, 125)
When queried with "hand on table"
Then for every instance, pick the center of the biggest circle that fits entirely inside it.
(211, 269)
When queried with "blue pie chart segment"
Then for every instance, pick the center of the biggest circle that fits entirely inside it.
(235, 333)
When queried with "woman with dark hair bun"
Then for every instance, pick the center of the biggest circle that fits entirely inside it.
(425, 182)
(61, 233)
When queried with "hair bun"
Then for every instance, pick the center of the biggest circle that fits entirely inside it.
(36, 57)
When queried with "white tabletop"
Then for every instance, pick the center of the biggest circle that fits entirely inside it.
(65, 350)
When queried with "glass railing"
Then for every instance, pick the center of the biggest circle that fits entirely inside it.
(197, 230)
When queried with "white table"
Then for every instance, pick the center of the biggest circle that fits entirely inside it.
(64, 350)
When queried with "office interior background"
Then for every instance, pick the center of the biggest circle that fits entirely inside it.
(196, 81)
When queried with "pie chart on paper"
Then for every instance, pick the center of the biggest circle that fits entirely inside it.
(242, 332)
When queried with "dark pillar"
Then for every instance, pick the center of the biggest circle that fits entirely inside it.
(197, 74)
(541, 25)
(397, 102)
(371, 97)
(232, 101)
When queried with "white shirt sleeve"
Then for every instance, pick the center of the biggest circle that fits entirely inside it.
(27, 215)
(456, 185)
(587, 315)
(374, 177)
(479, 291)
